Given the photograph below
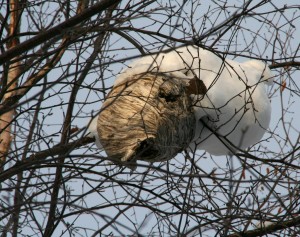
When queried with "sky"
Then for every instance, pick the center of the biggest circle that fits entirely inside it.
(254, 38)
(272, 141)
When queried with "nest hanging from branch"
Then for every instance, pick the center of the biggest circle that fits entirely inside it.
(149, 117)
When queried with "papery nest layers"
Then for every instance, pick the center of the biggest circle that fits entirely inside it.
(149, 117)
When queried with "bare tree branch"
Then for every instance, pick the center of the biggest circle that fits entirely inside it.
(59, 30)
(285, 65)
(55, 182)
(269, 229)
